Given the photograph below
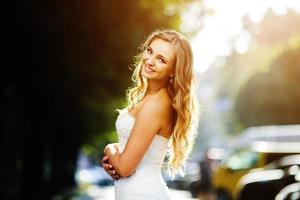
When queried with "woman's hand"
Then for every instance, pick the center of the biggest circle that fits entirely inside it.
(109, 168)
(105, 161)
(111, 147)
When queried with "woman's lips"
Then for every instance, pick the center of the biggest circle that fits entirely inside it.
(149, 69)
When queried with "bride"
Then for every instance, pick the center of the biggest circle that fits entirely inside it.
(161, 115)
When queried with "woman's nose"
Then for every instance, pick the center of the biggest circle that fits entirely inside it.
(150, 60)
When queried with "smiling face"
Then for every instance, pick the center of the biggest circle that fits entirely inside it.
(158, 61)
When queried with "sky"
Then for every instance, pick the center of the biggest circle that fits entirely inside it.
(222, 32)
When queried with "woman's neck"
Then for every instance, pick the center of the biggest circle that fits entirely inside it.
(154, 87)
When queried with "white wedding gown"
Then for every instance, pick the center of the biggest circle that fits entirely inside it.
(147, 182)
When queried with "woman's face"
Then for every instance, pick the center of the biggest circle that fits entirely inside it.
(158, 61)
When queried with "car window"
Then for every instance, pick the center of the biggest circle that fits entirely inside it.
(242, 160)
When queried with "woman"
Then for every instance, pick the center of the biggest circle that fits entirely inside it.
(162, 110)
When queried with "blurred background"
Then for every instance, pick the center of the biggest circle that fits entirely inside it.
(65, 70)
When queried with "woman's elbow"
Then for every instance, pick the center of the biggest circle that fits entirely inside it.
(123, 166)
(126, 170)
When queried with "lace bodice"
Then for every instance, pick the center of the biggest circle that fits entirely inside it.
(148, 172)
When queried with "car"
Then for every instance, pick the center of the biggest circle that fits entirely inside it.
(265, 183)
(255, 148)
(290, 192)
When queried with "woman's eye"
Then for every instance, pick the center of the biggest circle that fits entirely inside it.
(162, 60)
(149, 50)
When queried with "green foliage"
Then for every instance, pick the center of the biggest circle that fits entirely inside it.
(273, 97)
(257, 81)
(94, 147)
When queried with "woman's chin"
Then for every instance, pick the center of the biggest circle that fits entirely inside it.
(146, 75)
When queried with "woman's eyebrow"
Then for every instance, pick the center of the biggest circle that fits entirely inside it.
(164, 58)
(158, 54)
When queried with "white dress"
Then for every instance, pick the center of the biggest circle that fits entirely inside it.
(147, 182)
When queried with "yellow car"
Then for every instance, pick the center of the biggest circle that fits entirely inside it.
(256, 147)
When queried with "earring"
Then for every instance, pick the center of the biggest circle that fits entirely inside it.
(171, 80)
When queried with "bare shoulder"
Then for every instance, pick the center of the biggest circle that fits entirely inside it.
(158, 107)
(159, 102)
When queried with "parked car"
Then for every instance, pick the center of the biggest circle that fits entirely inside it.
(255, 148)
(289, 192)
(265, 183)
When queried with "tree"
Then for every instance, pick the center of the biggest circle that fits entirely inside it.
(273, 97)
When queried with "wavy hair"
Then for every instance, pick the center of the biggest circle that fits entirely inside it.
(183, 93)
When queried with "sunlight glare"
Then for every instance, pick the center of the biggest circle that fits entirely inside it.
(223, 31)
(242, 41)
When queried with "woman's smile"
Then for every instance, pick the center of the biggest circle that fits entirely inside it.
(148, 69)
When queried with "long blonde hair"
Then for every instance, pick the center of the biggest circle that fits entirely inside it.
(183, 93)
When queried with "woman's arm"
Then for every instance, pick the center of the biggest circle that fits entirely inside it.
(147, 125)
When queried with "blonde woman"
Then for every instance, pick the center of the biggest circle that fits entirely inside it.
(162, 113)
